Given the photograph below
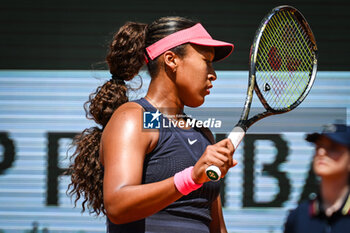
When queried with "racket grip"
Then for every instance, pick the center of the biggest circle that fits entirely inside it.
(236, 136)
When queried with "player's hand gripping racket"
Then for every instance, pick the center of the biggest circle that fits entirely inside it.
(282, 69)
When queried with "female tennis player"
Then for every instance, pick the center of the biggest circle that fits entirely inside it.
(154, 180)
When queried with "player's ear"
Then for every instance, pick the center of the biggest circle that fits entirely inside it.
(171, 60)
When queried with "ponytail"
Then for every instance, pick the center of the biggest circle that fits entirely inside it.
(126, 56)
(87, 172)
(125, 59)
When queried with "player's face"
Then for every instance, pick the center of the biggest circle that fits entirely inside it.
(195, 75)
(332, 160)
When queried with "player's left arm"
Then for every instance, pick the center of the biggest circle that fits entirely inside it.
(217, 224)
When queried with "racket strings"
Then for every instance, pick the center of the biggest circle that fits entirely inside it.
(295, 54)
(278, 79)
(284, 61)
(288, 38)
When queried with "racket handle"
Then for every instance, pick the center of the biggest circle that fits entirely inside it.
(236, 136)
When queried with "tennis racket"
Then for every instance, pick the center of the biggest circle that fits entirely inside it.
(282, 69)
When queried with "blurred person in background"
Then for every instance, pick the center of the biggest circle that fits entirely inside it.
(329, 210)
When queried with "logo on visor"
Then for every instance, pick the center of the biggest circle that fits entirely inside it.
(151, 120)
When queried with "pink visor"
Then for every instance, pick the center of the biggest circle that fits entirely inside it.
(195, 35)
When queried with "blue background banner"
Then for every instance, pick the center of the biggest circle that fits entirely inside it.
(40, 112)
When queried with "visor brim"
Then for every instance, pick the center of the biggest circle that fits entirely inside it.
(222, 49)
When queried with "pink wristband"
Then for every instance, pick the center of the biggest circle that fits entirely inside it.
(184, 183)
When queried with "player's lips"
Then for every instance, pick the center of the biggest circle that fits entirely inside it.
(208, 89)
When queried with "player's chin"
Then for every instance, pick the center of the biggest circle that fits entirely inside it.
(196, 102)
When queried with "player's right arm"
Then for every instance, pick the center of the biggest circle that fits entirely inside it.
(124, 146)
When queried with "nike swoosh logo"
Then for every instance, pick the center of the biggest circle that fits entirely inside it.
(191, 142)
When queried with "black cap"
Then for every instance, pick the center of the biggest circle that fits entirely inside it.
(339, 133)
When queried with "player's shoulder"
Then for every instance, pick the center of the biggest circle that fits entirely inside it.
(128, 114)
(129, 108)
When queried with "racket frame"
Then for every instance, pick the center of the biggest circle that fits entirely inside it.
(238, 132)
(244, 122)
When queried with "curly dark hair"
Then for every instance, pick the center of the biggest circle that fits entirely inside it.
(125, 59)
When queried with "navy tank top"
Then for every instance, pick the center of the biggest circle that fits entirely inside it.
(176, 150)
